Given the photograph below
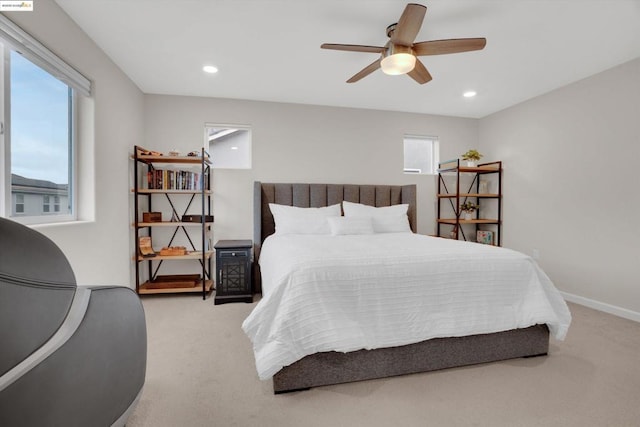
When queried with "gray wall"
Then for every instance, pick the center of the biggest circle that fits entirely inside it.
(302, 143)
(571, 188)
(98, 247)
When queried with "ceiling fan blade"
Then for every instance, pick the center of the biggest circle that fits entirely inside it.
(420, 73)
(441, 47)
(353, 47)
(365, 71)
(409, 24)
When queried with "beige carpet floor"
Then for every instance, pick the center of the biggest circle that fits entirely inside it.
(201, 372)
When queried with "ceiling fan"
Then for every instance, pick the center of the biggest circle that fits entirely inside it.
(399, 55)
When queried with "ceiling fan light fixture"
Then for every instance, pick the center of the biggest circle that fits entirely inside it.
(400, 54)
(399, 63)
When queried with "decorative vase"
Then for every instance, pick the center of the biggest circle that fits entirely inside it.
(471, 163)
(468, 215)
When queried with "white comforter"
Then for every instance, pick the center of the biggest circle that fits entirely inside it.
(346, 293)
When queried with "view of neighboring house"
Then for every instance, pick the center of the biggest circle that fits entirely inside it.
(38, 197)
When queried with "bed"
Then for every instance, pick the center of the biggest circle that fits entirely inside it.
(352, 339)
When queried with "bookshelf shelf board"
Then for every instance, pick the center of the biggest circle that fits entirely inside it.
(463, 195)
(452, 167)
(454, 221)
(145, 288)
(190, 255)
(147, 191)
(174, 159)
(171, 224)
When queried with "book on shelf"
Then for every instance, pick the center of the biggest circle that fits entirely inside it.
(166, 179)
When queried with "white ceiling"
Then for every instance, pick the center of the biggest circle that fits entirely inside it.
(270, 49)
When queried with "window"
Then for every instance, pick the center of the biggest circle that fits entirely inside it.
(38, 120)
(19, 205)
(421, 154)
(39, 135)
(229, 146)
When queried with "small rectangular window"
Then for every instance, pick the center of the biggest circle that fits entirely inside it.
(421, 154)
(229, 145)
(19, 206)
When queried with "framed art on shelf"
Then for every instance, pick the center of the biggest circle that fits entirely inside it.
(485, 237)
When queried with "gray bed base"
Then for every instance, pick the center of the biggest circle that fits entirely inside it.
(439, 353)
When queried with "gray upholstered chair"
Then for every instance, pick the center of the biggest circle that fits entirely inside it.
(69, 355)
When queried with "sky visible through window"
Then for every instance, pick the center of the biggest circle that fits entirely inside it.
(39, 123)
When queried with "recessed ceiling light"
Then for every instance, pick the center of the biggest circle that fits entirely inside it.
(469, 94)
(209, 69)
(234, 148)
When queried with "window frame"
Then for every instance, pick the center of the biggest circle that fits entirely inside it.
(19, 202)
(435, 154)
(13, 38)
(241, 162)
(47, 216)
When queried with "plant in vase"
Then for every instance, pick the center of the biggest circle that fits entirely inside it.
(468, 208)
(471, 157)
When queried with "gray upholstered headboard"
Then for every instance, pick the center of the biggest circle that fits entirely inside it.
(318, 195)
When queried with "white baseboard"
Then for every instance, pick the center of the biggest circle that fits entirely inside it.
(602, 306)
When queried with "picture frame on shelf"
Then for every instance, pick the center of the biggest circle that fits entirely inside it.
(485, 237)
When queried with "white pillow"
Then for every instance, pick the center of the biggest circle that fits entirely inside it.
(295, 220)
(354, 225)
(391, 224)
(386, 219)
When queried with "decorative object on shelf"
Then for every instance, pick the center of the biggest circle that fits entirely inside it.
(146, 250)
(144, 152)
(472, 157)
(197, 218)
(485, 237)
(152, 216)
(173, 251)
(174, 152)
(468, 208)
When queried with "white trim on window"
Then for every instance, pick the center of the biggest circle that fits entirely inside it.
(37, 53)
(427, 162)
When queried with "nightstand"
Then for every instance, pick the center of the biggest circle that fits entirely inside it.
(233, 271)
